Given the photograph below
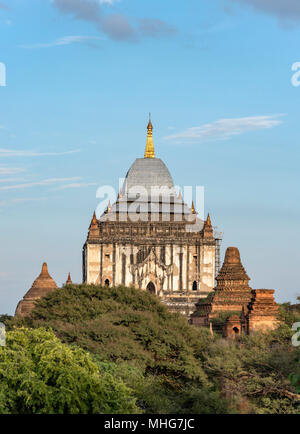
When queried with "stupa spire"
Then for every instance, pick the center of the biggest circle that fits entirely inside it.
(44, 271)
(193, 208)
(69, 280)
(94, 228)
(149, 151)
(207, 228)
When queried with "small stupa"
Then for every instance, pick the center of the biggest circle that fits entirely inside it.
(42, 286)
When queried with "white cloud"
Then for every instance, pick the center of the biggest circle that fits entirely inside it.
(66, 40)
(225, 129)
(14, 153)
(108, 2)
(38, 183)
(75, 185)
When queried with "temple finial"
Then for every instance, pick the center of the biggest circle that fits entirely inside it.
(44, 269)
(94, 228)
(149, 151)
(207, 228)
(69, 280)
(193, 208)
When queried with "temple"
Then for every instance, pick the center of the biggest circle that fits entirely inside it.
(150, 239)
(234, 308)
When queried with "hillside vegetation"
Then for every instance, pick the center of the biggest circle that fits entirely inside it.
(168, 365)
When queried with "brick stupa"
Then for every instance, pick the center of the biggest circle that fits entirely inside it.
(42, 286)
(231, 294)
(262, 311)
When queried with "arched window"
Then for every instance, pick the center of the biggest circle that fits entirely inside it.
(106, 282)
(195, 287)
(151, 287)
(236, 330)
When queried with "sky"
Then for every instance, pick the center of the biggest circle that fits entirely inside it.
(81, 78)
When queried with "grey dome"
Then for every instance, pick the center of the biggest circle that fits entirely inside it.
(147, 173)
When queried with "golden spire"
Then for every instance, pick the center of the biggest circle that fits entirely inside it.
(193, 208)
(149, 151)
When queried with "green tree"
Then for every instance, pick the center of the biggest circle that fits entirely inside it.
(124, 324)
(39, 374)
(253, 374)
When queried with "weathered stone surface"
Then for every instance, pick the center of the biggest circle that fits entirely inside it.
(232, 328)
(262, 311)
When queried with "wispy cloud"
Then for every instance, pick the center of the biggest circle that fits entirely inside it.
(66, 40)
(8, 202)
(38, 183)
(6, 180)
(5, 171)
(3, 6)
(225, 129)
(288, 11)
(16, 153)
(115, 25)
(75, 185)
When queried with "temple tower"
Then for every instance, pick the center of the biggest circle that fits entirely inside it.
(151, 239)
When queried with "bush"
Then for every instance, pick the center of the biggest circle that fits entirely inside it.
(39, 374)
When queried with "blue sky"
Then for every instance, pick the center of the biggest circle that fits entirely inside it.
(81, 77)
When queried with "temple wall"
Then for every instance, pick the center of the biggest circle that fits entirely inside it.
(188, 263)
(262, 324)
(93, 263)
(207, 264)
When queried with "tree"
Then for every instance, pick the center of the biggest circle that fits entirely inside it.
(124, 324)
(254, 374)
(39, 374)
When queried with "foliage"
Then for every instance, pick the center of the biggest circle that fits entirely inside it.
(219, 321)
(170, 366)
(207, 299)
(254, 373)
(39, 374)
(124, 324)
(289, 313)
(5, 318)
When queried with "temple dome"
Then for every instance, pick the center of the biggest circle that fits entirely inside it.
(147, 173)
